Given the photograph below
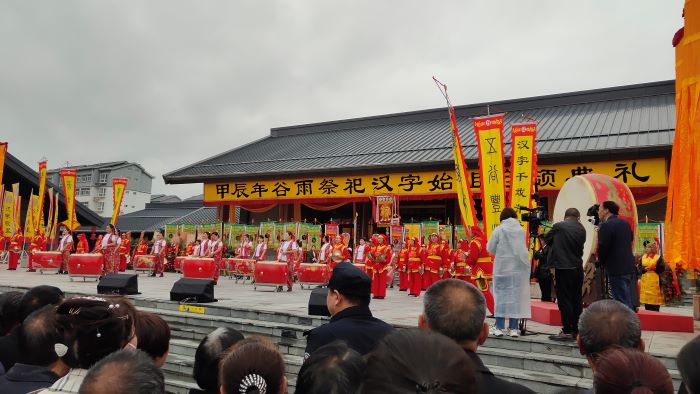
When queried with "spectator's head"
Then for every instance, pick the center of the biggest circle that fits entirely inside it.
(412, 360)
(37, 337)
(209, 354)
(92, 328)
(153, 335)
(456, 309)
(688, 364)
(10, 311)
(608, 208)
(348, 286)
(331, 369)
(508, 213)
(38, 297)
(253, 366)
(605, 324)
(623, 370)
(572, 214)
(128, 312)
(124, 372)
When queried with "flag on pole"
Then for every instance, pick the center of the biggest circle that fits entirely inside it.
(3, 153)
(523, 167)
(16, 208)
(118, 188)
(39, 213)
(8, 214)
(489, 140)
(68, 178)
(29, 226)
(54, 224)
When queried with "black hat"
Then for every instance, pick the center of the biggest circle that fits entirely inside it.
(350, 280)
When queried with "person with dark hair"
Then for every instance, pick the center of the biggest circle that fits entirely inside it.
(38, 365)
(208, 357)
(622, 370)
(511, 273)
(9, 311)
(457, 309)
(216, 252)
(159, 249)
(615, 242)
(688, 362)
(124, 372)
(253, 366)
(651, 265)
(332, 369)
(108, 247)
(325, 252)
(606, 324)
(260, 249)
(415, 361)
(566, 239)
(286, 254)
(153, 335)
(92, 328)
(65, 247)
(351, 320)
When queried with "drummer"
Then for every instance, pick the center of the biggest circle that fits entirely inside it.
(158, 251)
(339, 253)
(216, 252)
(65, 246)
(361, 252)
(244, 249)
(205, 245)
(325, 253)
(83, 245)
(260, 249)
(38, 244)
(286, 253)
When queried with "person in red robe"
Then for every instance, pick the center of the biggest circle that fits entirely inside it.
(286, 254)
(38, 244)
(459, 258)
(65, 247)
(447, 261)
(243, 251)
(260, 249)
(382, 258)
(159, 249)
(124, 250)
(189, 249)
(108, 247)
(369, 261)
(339, 252)
(97, 248)
(216, 252)
(433, 261)
(15, 250)
(83, 245)
(402, 266)
(415, 255)
(481, 265)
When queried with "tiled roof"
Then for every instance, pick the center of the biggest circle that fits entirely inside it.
(612, 120)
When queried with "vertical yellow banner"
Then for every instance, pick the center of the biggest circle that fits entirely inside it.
(17, 222)
(54, 224)
(68, 177)
(489, 139)
(8, 214)
(464, 194)
(118, 188)
(47, 229)
(39, 212)
(523, 167)
(29, 220)
(3, 153)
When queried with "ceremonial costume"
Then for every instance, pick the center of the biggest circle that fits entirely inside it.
(97, 248)
(415, 255)
(244, 250)
(15, 249)
(108, 248)
(82, 246)
(124, 250)
(402, 266)
(189, 249)
(324, 256)
(650, 288)
(339, 253)
(382, 258)
(158, 250)
(65, 246)
(217, 252)
(38, 244)
(204, 248)
(369, 261)
(447, 270)
(141, 249)
(260, 251)
(361, 253)
(285, 254)
(433, 262)
(459, 257)
(481, 265)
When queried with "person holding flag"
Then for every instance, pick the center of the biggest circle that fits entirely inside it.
(65, 246)
(16, 245)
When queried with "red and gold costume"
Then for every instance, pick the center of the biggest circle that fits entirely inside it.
(108, 248)
(65, 246)
(141, 249)
(434, 261)
(260, 251)
(15, 249)
(339, 253)
(217, 253)
(415, 255)
(83, 246)
(286, 254)
(459, 258)
(97, 248)
(159, 249)
(38, 244)
(244, 250)
(2, 243)
(369, 261)
(124, 250)
(447, 255)
(382, 258)
(481, 264)
(402, 266)
(189, 249)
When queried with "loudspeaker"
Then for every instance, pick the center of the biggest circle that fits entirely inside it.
(193, 290)
(124, 284)
(317, 302)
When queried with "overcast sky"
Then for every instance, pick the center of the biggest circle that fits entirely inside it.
(168, 83)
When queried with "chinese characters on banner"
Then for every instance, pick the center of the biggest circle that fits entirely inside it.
(68, 178)
(428, 228)
(464, 193)
(523, 164)
(446, 234)
(331, 230)
(30, 219)
(384, 209)
(8, 214)
(489, 140)
(39, 213)
(413, 230)
(396, 233)
(118, 188)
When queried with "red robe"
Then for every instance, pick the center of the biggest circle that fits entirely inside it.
(83, 246)
(124, 250)
(15, 250)
(402, 266)
(481, 265)
(344, 253)
(380, 269)
(415, 255)
(38, 243)
(433, 264)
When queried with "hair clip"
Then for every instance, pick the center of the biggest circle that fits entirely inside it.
(92, 298)
(74, 311)
(99, 335)
(253, 380)
(113, 306)
(60, 349)
(425, 387)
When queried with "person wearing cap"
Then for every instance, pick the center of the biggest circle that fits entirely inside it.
(351, 320)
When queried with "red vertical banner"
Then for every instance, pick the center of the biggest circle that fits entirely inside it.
(523, 166)
(39, 213)
(489, 139)
(68, 180)
(331, 229)
(118, 189)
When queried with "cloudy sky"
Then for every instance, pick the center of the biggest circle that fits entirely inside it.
(167, 83)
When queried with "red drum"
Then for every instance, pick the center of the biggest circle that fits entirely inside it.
(199, 267)
(361, 266)
(177, 265)
(228, 264)
(145, 263)
(47, 261)
(243, 268)
(87, 265)
(270, 273)
(313, 274)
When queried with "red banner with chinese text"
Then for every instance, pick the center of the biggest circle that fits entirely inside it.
(489, 139)
(331, 230)
(118, 188)
(39, 213)
(523, 167)
(68, 180)
(384, 209)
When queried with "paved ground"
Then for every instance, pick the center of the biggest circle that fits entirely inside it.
(397, 308)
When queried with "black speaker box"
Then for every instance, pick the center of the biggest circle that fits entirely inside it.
(193, 290)
(123, 284)
(317, 302)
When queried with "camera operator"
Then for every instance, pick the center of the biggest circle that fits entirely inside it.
(615, 252)
(566, 239)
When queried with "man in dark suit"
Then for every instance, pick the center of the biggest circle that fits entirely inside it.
(351, 320)
(615, 252)
(457, 309)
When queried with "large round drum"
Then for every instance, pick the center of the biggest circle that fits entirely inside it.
(583, 191)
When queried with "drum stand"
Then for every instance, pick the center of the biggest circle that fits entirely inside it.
(4, 257)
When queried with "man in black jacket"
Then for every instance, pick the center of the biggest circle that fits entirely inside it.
(615, 252)
(457, 309)
(566, 239)
(351, 320)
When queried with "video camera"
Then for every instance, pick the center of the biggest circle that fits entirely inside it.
(534, 216)
(592, 214)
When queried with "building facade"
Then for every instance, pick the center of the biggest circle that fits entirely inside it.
(94, 186)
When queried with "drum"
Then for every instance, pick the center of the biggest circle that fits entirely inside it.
(313, 274)
(199, 267)
(337, 256)
(177, 264)
(145, 263)
(243, 268)
(85, 265)
(583, 191)
(270, 273)
(47, 261)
